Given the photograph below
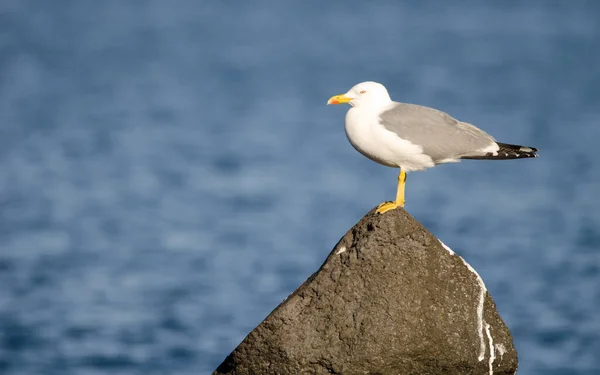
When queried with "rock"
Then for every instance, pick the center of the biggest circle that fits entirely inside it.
(389, 299)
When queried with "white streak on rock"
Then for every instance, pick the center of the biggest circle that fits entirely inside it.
(341, 250)
(501, 350)
(482, 291)
(480, 321)
(447, 248)
(491, 345)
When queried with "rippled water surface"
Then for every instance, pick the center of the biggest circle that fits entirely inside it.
(169, 172)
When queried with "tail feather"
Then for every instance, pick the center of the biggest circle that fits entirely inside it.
(506, 152)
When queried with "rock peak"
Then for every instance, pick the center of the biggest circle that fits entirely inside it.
(389, 299)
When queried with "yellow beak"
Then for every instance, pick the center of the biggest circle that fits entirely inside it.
(339, 99)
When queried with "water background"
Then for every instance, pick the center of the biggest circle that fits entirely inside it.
(169, 171)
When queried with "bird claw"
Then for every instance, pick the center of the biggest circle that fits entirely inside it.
(387, 206)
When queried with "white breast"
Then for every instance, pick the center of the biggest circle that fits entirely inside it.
(371, 139)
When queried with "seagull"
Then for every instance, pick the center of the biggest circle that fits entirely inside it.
(413, 137)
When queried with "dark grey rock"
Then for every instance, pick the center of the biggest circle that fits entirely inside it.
(389, 299)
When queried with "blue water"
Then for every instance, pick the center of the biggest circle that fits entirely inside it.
(169, 171)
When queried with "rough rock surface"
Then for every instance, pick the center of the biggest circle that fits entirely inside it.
(389, 299)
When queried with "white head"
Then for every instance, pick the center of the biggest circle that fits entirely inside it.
(368, 93)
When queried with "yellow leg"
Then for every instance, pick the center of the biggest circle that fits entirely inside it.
(386, 206)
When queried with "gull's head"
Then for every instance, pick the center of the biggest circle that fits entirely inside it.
(371, 94)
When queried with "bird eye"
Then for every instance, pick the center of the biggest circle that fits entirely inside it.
(362, 92)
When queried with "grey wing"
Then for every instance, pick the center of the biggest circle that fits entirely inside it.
(440, 135)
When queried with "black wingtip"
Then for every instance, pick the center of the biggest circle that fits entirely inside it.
(506, 152)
